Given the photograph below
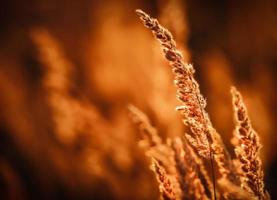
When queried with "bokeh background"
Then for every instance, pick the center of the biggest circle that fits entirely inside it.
(68, 69)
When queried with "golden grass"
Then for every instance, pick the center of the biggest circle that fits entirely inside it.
(243, 183)
(66, 131)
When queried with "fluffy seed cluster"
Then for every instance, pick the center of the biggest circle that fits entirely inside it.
(203, 144)
(188, 89)
(204, 137)
(247, 147)
(166, 187)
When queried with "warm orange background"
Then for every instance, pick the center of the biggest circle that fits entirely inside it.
(82, 144)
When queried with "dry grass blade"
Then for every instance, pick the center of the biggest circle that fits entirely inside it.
(57, 83)
(148, 132)
(165, 185)
(204, 137)
(188, 171)
(188, 89)
(247, 147)
(151, 141)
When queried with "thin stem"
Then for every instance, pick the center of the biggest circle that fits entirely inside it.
(213, 175)
(211, 153)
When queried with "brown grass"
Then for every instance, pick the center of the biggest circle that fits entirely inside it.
(65, 130)
(247, 146)
(205, 140)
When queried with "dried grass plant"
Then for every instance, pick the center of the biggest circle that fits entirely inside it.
(65, 130)
(203, 144)
(80, 129)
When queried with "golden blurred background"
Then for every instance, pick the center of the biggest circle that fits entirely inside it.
(70, 68)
